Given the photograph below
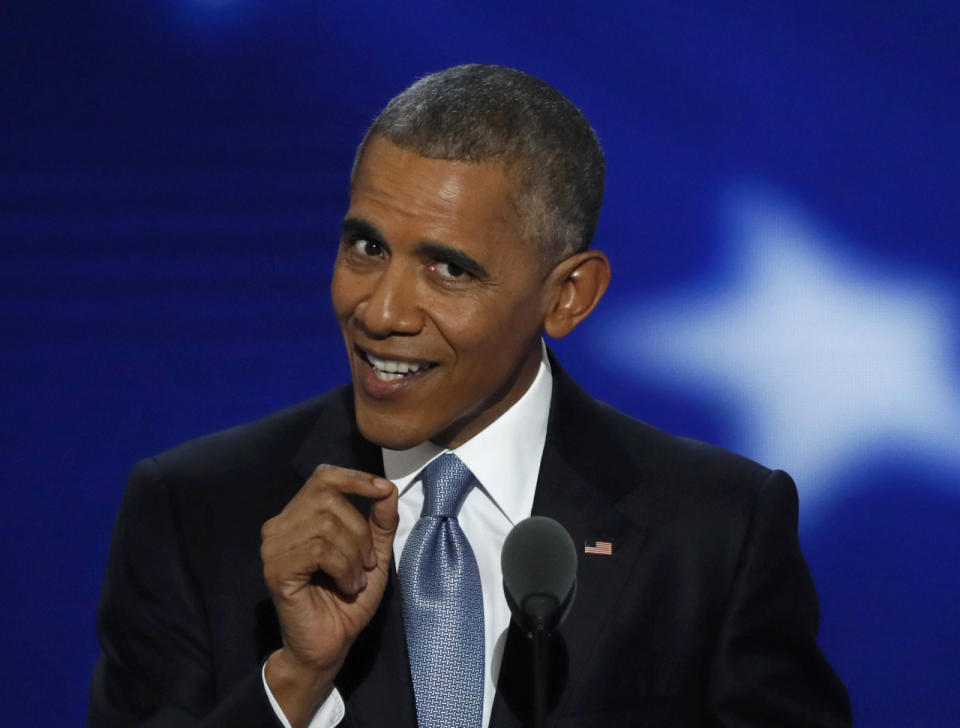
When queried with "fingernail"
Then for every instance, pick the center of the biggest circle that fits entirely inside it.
(362, 581)
(371, 558)
(382, 484)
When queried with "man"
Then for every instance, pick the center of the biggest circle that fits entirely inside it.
(474, 197)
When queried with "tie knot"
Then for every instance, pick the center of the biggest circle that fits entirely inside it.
(446, 483)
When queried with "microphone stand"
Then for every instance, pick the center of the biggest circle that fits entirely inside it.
(541, 662)
(541, 610)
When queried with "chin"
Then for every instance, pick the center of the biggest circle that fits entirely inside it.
(391, 435)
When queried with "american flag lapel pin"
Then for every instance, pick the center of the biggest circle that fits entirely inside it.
(600, 548)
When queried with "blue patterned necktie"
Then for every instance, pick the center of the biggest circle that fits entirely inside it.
(443, 603)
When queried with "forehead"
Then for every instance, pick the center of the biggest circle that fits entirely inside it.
(398, 188)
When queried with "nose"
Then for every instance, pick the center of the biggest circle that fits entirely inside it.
(391, 307)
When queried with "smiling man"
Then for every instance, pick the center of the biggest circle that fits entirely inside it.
(443, 299)
(379, 510)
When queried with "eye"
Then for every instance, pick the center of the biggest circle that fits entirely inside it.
(450, 271)
(367, 247)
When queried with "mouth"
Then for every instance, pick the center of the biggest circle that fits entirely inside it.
(389, 370)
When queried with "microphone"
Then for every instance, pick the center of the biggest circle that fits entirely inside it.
(539, 564)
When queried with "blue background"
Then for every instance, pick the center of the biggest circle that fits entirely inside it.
(780, 214)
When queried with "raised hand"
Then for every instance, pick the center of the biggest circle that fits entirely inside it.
(326, 567)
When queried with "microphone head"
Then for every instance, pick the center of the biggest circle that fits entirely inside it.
(539, 564)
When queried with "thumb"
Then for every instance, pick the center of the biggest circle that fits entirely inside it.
(384, 520)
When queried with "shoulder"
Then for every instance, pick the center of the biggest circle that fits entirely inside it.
(640, 467)
(260, 451)
(276, 436)
(674, 457)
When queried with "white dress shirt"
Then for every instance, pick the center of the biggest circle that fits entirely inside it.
(505, 458)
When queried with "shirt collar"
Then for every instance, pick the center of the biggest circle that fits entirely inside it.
(504, 457)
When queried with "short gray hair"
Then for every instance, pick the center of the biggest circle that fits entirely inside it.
(482, 113)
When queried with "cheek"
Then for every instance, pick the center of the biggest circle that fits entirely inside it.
(468, 326)
(344, 292)
(487, 332)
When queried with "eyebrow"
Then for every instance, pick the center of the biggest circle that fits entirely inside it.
(446, 254)
(355, 227)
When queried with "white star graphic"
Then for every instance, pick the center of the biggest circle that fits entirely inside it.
(826, 359)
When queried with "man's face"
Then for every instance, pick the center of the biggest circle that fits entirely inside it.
(440, 301)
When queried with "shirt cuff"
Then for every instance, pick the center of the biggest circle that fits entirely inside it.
(329, 714)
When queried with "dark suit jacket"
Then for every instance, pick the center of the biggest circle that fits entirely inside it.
(704, 615)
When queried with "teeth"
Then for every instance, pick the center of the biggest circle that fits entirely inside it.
(387, 376)
(390, 369)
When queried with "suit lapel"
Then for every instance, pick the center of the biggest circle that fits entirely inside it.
(578, 485)
(375, 679)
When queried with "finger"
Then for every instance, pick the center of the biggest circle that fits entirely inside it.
(289, 570)
(303, 516)
(337, 566)
(383, 522)
(315, 515)
(345, 480)
(342, 527)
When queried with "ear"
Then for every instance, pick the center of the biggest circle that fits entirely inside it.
(577, 284)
